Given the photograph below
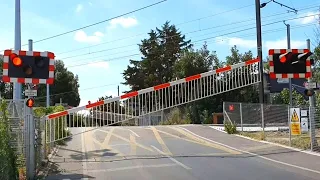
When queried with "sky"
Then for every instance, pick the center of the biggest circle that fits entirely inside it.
(100, 53)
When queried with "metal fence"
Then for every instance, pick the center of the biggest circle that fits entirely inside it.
(276, 123)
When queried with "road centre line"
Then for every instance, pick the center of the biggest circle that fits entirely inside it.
(256, 155)
(171, 158)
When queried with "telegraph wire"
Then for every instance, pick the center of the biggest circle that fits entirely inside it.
(251, 19)
(120, 47)
(194, 42)
(93, 24)
(90, 88)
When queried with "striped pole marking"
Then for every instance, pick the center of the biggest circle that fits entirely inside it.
(6, 57)
(289, 75)
(154, 88)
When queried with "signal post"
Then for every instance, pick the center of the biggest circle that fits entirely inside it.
(29, 68)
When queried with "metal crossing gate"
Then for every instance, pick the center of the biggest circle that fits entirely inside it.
(139, 103)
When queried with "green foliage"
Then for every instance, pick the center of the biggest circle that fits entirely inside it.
(8, 158)
(283, 98)
(175, 118)
(230, 128)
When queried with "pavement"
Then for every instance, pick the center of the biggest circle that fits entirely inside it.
(176, 152)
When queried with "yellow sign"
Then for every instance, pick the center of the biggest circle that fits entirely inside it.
(295, 117)
(295, 129)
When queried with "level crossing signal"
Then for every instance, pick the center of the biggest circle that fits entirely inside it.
(28, 67)
(30, 102)
(290, 63)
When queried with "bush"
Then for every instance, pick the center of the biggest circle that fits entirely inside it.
(230, 128)
(8, 158)
(176, 118)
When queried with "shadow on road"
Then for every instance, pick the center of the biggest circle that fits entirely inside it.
(68, 176)
(78, 155)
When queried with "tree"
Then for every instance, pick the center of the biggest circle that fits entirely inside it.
(283, 98)
(160, 52)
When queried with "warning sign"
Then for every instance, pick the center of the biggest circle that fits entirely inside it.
(295, 129)
(295, 114)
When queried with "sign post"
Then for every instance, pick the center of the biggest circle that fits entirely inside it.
(295, 121)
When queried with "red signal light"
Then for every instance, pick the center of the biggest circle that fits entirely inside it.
(283, 59)
(30, 102)
(16, 60)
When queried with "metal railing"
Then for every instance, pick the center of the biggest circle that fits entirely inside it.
(140, 103)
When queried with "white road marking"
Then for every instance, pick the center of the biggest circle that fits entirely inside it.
(133, 133)
(269, 159)
(84, 163)
(133, 167)
(171, 158)
(129, 130)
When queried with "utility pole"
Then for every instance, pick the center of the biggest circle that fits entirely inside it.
(17, 46)
(312, 110)
(259, 48)
(289, 47)
(30, 134)
(118, 91)
(48, 96)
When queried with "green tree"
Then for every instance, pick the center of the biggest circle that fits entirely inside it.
(66, 87)
(283, 98)
(160, 52)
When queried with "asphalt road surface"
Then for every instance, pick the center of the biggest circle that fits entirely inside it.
(176, 152)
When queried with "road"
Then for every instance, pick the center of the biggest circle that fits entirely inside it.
(177, 152)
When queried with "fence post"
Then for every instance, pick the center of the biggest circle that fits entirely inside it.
(241, 120)
(262, 120)
(289, 125)
(223, 108)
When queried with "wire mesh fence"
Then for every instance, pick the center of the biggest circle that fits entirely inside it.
(292, 126)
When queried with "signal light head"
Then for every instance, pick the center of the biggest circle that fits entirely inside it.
(309, 92)
(16, 60)
(28, 70)
(39, 62)
(30, 102)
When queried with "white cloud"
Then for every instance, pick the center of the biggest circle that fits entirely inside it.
(102, 64)
(231, 41)
(81, 36)
(79, 8)
(90, 3)
(282, 44)
(124, 22)
(252, 44)
(312, 17)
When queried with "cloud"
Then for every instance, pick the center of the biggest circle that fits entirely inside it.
(312, 17)
(81, 36)
(102, 64)
(124, 22)
(282, 44)
(90, 3)
(231, 41)
(252, 44)
(79, 8)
